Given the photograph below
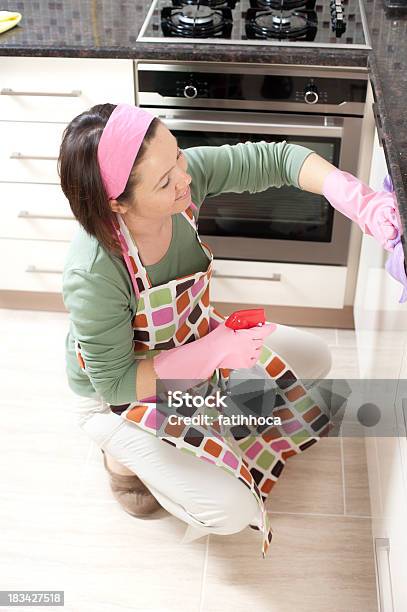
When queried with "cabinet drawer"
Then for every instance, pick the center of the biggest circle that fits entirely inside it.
(35, 212)
(29, 151)
(279, 284)
(401, 417)
(389, 509)
(31, 265)
(59, 89)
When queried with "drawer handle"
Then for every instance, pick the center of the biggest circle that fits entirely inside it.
(404, 409)
(34, 269)
(274, 277)
(382, 545)
(24, 214)
(75, 93)
(18, 155)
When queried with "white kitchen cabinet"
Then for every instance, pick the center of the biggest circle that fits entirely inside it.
(32, 265)
(388, 496)
(35, 212)
(281, 284)
(376, 301)
(29, 151)
(38, 98)
(376, 312)
(58, 89)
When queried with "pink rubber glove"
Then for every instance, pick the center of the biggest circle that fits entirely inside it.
(223, 347)
(375, 212)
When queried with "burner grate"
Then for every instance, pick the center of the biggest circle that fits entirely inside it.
(281, 25)
(340, 23)
(196, 21)
(216, 4)
(283, 5)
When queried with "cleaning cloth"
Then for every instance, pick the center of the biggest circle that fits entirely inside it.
(8, 20)
(395, 264)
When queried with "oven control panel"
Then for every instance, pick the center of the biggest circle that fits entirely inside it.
(313, 93)
(192, 86)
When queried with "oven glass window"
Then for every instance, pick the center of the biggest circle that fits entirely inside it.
(285, 213)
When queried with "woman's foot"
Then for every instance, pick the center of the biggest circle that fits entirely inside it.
(127, 488)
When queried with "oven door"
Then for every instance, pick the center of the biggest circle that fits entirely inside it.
(280, 224)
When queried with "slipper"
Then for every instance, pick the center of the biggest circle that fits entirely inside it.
(131, 493)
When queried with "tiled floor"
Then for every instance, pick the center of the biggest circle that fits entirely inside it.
(62, 529)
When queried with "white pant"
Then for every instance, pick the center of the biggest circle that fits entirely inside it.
(206, 498)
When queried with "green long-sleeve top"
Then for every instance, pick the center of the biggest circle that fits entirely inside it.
(97, 289)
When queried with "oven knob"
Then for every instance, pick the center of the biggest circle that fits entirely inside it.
(190, 91)
(311, 94)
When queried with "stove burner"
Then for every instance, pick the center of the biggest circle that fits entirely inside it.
(196, 21)
(211, 3)
(196, 15)
(283, 25)
(279, 20)
(283, 5)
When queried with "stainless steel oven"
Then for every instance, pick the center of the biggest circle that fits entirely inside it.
(215, 104)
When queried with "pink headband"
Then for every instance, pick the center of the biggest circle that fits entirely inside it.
(119, 144)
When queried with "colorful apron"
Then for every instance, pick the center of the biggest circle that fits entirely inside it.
(179, 312)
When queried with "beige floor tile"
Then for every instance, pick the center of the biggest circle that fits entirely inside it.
(34, 387)
(94, 483)
(42, 452)
(100, 606)
(371, 338)
(356, 477)
(45, 328)
(315, 564)
(99, 554)
(19, 572)
(40, 415)
(25, 474)
(59, 520)
(40, 351)
(380, 363)
(345, 362)
(365, 362)
(326, 333)
(8, 316)
(346, 337)
(364, 354)
(311, 482)
(33, 362)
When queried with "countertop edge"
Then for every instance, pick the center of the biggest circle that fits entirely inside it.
(390, 145)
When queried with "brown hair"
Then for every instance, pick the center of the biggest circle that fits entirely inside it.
(80, 176)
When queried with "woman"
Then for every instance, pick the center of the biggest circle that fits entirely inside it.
(136, 285)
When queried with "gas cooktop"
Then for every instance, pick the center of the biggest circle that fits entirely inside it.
(311, 23)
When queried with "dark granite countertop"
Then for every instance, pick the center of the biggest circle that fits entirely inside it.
(109, 28)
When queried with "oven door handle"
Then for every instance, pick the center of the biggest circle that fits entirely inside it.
(304, 128)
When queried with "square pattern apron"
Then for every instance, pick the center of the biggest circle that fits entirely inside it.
(179, 312)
